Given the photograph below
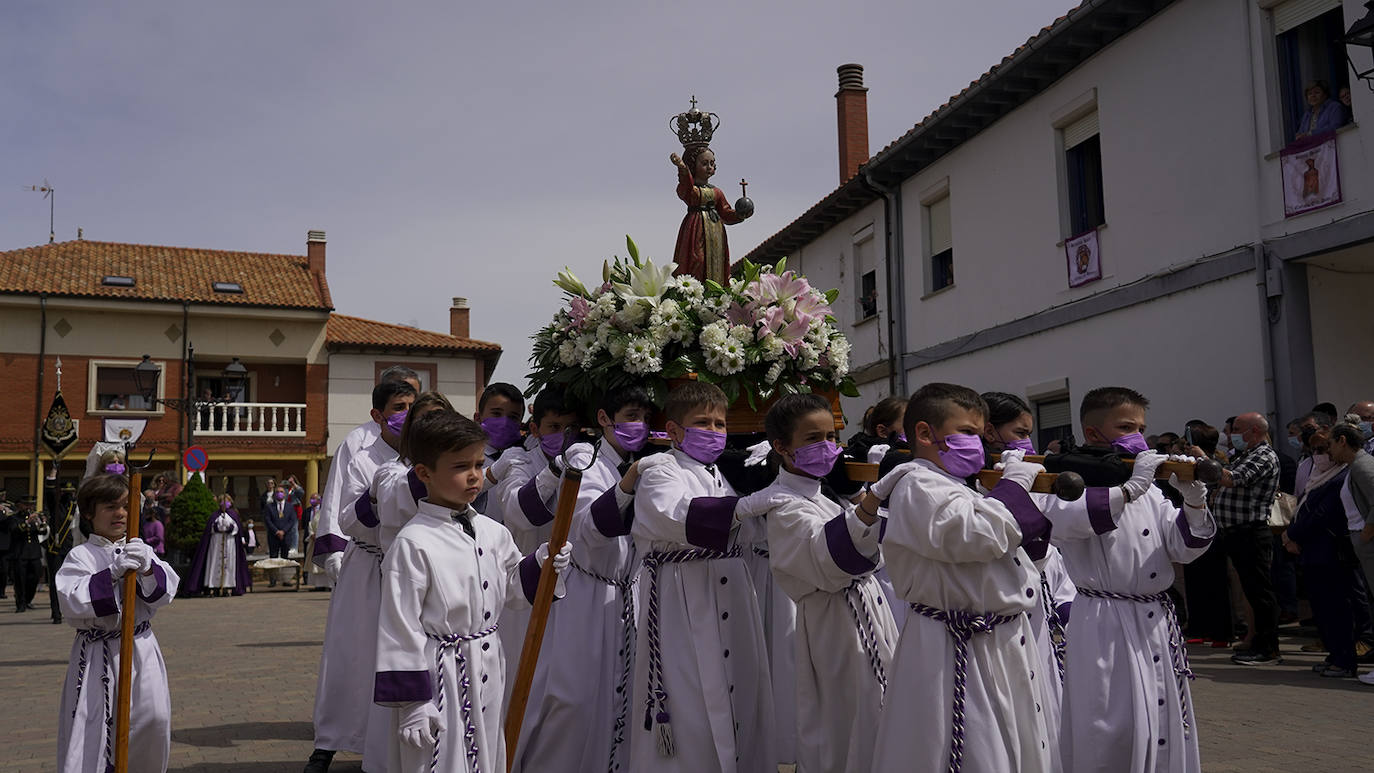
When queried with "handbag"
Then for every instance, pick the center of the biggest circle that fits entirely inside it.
(1282, 510)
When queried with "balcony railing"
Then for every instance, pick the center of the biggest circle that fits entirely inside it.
(249, 419)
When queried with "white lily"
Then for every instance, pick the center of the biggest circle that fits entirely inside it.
(647, 283)
(568, 281)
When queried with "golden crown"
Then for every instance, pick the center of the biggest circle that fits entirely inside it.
(694, 128)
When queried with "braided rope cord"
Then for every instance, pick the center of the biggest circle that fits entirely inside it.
(868, 635)
(627, 643)
(1054, 624)
(91, 636)
(450, 644)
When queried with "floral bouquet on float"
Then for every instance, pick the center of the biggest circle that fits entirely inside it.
(769, 333)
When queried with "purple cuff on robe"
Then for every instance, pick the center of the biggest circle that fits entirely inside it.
(402, 687)
(529, 576)
(842, 550)
(366, 512)
(418, 489)
(709, 520)
(1063, 612)
(607, 515)
(326, 544)
(882, 529)
(103, 594)
(1035, 527)
(161, 588)
(1187, 531)
(536, 512)
(1099, 502)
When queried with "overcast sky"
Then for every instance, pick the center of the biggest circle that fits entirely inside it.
(451, 148)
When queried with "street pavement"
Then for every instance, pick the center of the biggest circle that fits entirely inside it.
(242, 674)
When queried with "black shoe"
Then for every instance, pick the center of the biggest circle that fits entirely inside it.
(319, 761)
(57, 620)
(1336, 672)
(1256, 659)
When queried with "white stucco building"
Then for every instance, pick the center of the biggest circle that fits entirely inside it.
(1158, 127)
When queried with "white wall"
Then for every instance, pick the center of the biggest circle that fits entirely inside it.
(1194, 354)
(352, 376)
(1342, 328)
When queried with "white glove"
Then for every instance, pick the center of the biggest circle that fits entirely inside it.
(332, 563)
(124, 562)
(883, 488)
(560, 565)
(1143, 475)
(1010, 455)
(755, 504)
(1020, 472)
(420, 724)
(1194, 492)
(140, 551)
(876, 453)
(653, 460)
(758, 453)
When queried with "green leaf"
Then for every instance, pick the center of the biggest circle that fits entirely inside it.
(633, 248)
(831, 295)
(730, 387)
(848, 388)
(781, 266)
(713, 285)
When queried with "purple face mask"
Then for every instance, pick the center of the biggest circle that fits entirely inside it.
(817, 459)
(396, 421)
(965, 455)
(1021, 444)
(631, 435)
(551, 444)
(114, 468)
(280, 496)
(1133, 443)
(703, 444)
(502, 431)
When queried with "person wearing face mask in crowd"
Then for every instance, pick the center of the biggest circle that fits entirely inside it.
(1119, 544)
(499, 411)
(280, 519)
(1364, 413)
(823, 553)
(882, 427)
(343, 693)
(701, 658)
(579, 708)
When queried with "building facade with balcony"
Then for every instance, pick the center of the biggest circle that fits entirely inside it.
(1108, 205)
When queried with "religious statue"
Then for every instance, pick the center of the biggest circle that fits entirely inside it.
(702, 250)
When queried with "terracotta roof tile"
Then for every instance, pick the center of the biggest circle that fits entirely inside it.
(176, 274)
(346, 331)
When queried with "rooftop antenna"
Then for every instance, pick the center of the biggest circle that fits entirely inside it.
(50, 194)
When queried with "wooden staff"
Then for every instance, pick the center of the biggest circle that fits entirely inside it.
(1208, 471)
(124, 691)
(539, 617)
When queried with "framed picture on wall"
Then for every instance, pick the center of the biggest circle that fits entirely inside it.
(1084, 258)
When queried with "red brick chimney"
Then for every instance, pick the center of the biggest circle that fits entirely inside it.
(458, 318)
(314, 251)
(851, 104)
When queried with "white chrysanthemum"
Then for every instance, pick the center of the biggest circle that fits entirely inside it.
(742, 333)
(772, 349)
(641, 356)
(693, 292)
(809, 357)
(605, 305)
(715, 334)
(603, 332)
(713, 309)
(568, 354)
(678, 329)
(616, 347)
(633, 315)
(774, 371)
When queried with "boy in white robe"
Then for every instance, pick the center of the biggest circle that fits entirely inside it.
(446, 579)
(343, 694)
(961, 693)
(701, 663)
(89, 590)
(499, 411)
(579, 703)
(823, 555)
(1126, 700)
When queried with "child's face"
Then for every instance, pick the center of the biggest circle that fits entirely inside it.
(501, 407)
(709, 418)
(398, 404)
(1018, 429)
(553, 424)
(111, 519)
(1117, 422)
(930, 441)
(456, 478)
(627, 413)
(891, 430)
(811, 428)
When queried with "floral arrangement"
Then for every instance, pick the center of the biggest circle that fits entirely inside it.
(768, 333)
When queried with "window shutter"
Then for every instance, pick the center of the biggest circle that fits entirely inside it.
(1081, 130)
(1296, 12)
(1054, 414)
(941, 238)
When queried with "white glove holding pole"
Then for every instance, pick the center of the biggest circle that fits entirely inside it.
(140, 551)
(883, 488)
(653, 460)
(758, 453)
(561, 561)
(1018, 471)
(332, 563)
(1143, 474)
(124, 562)
(420, 724)
(1194, 492)
(755, 504)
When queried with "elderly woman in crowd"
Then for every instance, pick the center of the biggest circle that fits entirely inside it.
(1323, 114)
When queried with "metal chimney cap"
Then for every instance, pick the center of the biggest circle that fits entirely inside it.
(851, 76)
(460, 303)
(314, 236)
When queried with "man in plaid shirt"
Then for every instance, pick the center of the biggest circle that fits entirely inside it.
(1241, 509)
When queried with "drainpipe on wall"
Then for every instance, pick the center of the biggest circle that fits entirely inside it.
(1271, 402)
(894, 276)
(183, 430)
(37, 484)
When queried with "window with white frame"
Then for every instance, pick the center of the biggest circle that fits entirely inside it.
(1083, 202)
(866, 276)
(113, 389)
(939, 244)
(1313, 85)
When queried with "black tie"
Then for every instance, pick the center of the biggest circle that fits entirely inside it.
(462, 519)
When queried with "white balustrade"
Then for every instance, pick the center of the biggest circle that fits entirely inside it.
(249, 419)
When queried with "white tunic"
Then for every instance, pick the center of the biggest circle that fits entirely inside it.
(950, 548)
(714, 657)
(439, 581)
(343, 695)
(779, 615)
(1062, 593)
(1122, 708)
(823, 557)
(577, 695)
(328, 537)
(221, 554)
(525, 495)
(90, 601)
